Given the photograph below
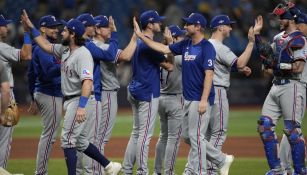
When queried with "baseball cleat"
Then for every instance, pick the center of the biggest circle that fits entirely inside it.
(228, 161)
(272, 172)
(113, 168)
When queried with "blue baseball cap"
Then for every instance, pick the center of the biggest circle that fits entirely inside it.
(302, 18)
(87, 19)
(150, 16)
(102, 21)
(76, 26)
(49, 21)
(196, 18)
(3, 21)
(220, 20)
(176, 31)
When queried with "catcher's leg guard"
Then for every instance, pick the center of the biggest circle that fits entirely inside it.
(297, 142)
(269, 139)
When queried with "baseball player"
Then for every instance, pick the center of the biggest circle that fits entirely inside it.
(287, 97)
(285, 149)
(225, 62)
(98, 55)
(198, 57)
(170, 111)
(143, 93)
(44, 75)
(110, 86)
(4, 90)
(76, 83)
(9, 54)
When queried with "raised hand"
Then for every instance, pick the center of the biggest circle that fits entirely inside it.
(251, 35)
(136, 27)
(258, 24)
(168, 36)
(26, 22)
(112, 24)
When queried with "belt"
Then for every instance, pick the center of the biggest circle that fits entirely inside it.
(65, 98)
(171, 94)
(221, 86)
(280, 81)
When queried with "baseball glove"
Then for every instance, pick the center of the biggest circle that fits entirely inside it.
(266, 55)
(11, 115)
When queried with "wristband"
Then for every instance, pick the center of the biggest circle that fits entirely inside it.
(27, 38)
(35, 32)
(285, 66)
(82, 101)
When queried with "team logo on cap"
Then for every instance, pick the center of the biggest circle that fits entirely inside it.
(221, 21)
(53, 18)
(43, 23)
(151, 19)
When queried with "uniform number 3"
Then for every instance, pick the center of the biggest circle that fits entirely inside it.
(209, 62)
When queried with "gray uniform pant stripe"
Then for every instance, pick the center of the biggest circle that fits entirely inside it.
(194, 129)
(288, 101)
(109, 110)
(6, 134)
(51, 119)
(85, 163)
(74, 134)
(171, 117)
(217, 129)
(144, 115)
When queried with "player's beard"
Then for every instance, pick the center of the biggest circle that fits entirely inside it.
(66, 41)
(284, 25)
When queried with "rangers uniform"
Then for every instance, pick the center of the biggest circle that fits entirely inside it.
(8, 54)
(286, 98)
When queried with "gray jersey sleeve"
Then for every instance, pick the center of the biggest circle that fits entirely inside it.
(9, 53)
(85, 66)
(3, 74)
(58, 50)
(226, 56)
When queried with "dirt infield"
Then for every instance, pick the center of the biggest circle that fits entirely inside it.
(238, 146)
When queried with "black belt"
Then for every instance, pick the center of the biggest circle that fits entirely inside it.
(65, 98)
(221, 86)
(172, 94)
(280, 81)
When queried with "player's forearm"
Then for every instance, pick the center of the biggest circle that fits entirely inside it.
(298, 66)
(87, 88)
(159, 47)
(245, 56)
(128, 52)
(41, 41)
(26, 49)
(207, 85)
(5, 96)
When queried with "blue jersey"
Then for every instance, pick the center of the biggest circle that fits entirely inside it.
(44, 73)
(98, 55)
(145, 82)
(196, 59)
